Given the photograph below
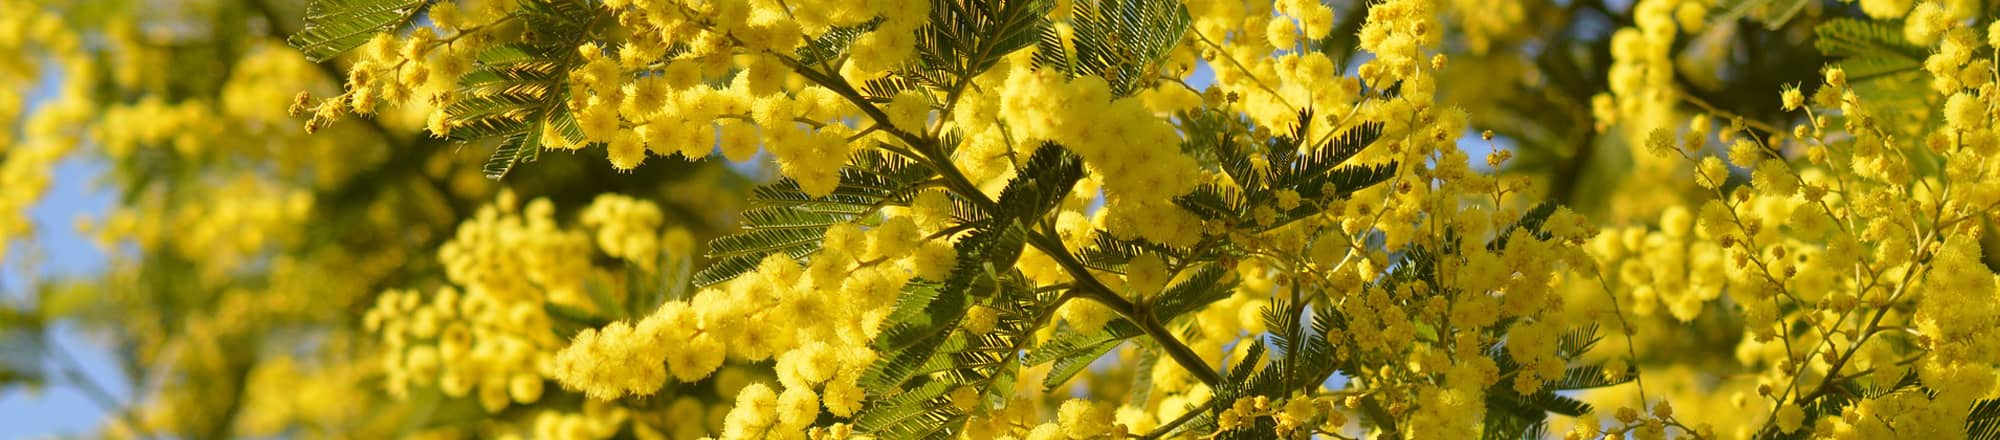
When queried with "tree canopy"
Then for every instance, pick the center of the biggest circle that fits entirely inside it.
(1033, 219)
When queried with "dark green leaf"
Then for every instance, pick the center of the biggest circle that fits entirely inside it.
(1207, 284)
(1983, 422)
(911, 414)
(833, 43)
(1589, 376)
(1072, 351)
(1041, 184)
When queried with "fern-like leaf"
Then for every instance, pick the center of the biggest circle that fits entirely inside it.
(516, 91)
(1590, 376)
(1118, 40)
(966, 37)
(913, 413)
(1502, 425)
(1577, 341)
(788, 220)
(833, 43)
(1041, 184)
(336, 26)
(1207, 284)
(1072, 351)
(1773, 13)
(1868, 49)
(1504, 398)
(1531, 221)
(1983, 422)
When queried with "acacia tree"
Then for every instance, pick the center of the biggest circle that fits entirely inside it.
(1029, 219)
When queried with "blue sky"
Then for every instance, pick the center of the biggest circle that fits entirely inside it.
(60, 408)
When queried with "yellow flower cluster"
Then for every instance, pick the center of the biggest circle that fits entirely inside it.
(891, 43)
(625, 228)
(436, 343)
(1075, 419)
(1484, 23)
(1270, 82)
(1628, 422)
(1135, 153)
(25, 172)
(288, 390)
(1853, 249)
(1396, 32)
(851, 285)
(597, 420)
(1663, 266)
(236, 123)
(646, 93)
(1643, 96)
(1838, 236)
(1293, 416)
(490, 334)
(422, 67)
(32, 142)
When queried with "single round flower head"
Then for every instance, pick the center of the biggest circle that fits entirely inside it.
(1793, 99)
(625, 151)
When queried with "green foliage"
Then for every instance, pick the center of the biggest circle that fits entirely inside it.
(335, 26)
(964, 38)
(21, 348)
(1868, 50)
(1207, 283)
(1118, 40)
(517, 91)
(1502, 427)
(1041, 185)
(925, 353)
(1072, 350)
(1315, 171)
(832, 44)
(785, 219)
(1983, 423)
(1772, 13)
(913, 380)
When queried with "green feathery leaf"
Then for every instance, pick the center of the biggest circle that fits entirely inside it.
(1072, 351)
(833, 43)
(1983, 422)
(1773, 13)
(1041, 184)
(516, 92)
(336, 26)
(966, 37)
(1122, 41)
(1207, 284)
(788, 220)
(1868, 49)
